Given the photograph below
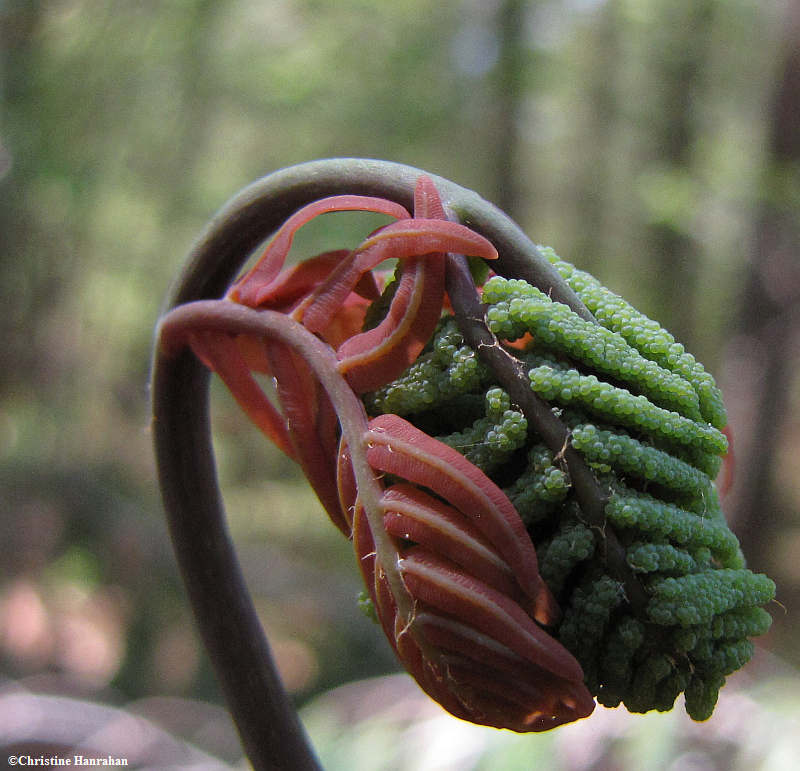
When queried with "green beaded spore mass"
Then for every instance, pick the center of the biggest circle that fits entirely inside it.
(646, 419)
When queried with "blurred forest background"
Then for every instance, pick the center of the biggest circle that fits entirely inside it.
(655, 143)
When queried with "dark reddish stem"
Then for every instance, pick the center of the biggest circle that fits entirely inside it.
(512, 376)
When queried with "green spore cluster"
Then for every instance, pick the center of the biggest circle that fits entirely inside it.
(640, 513)
(492, 439)
(445, 370)
(589, 616)
(540, 488)
(518, 308)
(660, 558)
(645, 418)
(698, 598)
(642, 333)
(572, 544)
(367, 607)
(625, 455)
(615, 404)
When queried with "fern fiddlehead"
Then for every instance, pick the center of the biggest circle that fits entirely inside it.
(525, 466)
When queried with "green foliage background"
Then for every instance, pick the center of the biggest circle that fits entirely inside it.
(651, 142)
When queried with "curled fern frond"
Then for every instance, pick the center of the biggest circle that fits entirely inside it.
(525, 467)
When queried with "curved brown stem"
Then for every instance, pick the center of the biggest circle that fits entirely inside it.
(270, 729)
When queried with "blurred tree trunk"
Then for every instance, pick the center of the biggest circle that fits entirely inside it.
(28, 283)
(594, 176)
(510, 87)
(680, 55)
(769, 320)
(195, 101)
